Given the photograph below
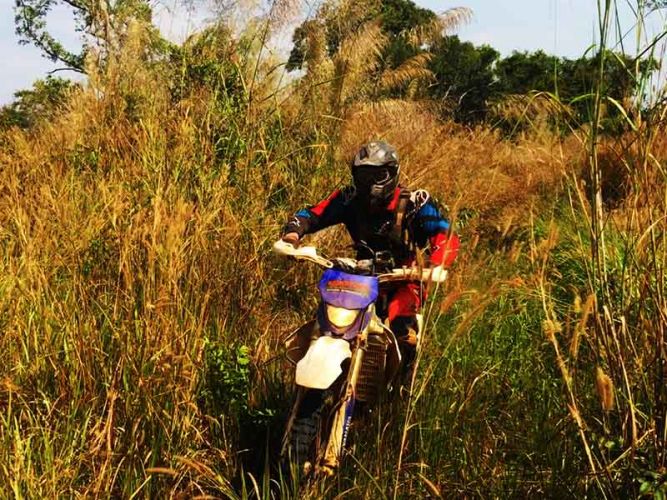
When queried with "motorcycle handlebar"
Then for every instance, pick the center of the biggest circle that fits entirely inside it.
(309, 253)
(301, 253)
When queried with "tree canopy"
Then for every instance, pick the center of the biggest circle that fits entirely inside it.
(397, 18)
(464, 77)
(100, 21)
(467, 79)
(43, 101)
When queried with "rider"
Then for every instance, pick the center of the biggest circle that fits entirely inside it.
(384, 216)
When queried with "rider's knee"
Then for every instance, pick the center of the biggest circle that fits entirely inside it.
(406, 329)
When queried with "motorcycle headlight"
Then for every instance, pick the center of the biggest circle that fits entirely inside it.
(341, 317)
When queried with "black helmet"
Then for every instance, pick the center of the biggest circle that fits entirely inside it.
(375, 172)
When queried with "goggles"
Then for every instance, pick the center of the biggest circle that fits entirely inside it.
(370, 176)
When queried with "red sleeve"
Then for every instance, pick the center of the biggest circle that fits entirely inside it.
(324, 204)
(444, 249)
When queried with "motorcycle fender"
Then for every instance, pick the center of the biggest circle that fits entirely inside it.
(320, 367)
(298, 342)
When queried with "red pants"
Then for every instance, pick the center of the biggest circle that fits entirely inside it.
(404, 304)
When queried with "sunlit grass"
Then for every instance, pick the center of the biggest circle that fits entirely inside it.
(141, 310)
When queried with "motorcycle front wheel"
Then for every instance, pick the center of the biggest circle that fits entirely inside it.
(305, 434)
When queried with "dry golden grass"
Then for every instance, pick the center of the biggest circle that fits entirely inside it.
(135, 232)
(445, 23)
(122, 254)
(469, 169)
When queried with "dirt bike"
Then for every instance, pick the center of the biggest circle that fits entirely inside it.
(347, 355)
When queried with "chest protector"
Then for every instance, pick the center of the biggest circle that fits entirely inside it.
(391, 231)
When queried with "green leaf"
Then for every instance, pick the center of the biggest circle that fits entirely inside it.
(583, 97)
(620, 108)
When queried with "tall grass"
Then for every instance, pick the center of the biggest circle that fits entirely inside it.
(141, 310)
(621, 248)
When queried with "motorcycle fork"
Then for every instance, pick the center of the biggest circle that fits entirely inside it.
(343, 415)
(301, 392)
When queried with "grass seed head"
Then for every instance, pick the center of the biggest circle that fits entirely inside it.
(605, 388)
(551, 328)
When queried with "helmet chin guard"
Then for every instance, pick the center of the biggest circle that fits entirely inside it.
(375, 171)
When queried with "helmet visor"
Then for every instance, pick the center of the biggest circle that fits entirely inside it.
(365, 177)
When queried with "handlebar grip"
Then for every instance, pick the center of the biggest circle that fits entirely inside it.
(436, 274)
(302, 253)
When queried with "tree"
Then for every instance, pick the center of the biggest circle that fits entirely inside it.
(523, 72)
(464, 77)
(102, 22)
(43, 102)
(574, 80)
(397, 18)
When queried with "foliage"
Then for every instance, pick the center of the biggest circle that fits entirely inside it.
(470, 81)
(573, 80)
(43, 102)
(228, 389)
(523, 72)
(465, 77)
(397, 18)
(475, 80)
(102, 23)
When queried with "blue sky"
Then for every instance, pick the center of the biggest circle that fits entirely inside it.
(563, 27)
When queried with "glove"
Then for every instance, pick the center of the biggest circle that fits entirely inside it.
(291, 238)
